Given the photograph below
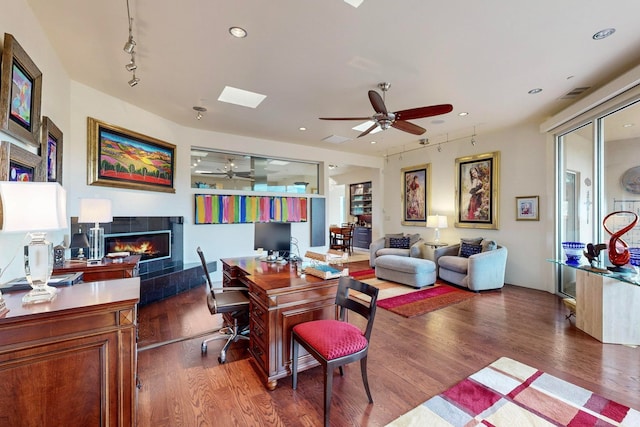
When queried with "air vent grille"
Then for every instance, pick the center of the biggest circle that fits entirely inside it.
(574, 93)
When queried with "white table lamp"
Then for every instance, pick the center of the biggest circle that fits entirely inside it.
(95, 211)
(437, 222)
(34, 207)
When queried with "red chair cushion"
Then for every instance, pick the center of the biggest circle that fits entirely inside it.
(332, 338)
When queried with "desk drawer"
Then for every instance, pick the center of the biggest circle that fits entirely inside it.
(258, 314)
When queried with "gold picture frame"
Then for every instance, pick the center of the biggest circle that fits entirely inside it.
(18, 164)
(477, 191)
(416, 192)
(122, 158)
(51, 146)
(527, 208)
(20, 93)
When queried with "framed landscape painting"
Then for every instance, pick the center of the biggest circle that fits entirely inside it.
(477, 180)
(415, 194)
(122, 158)
(20, 93)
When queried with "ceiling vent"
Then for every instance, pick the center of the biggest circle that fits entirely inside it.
(574, 93)
(335, 139)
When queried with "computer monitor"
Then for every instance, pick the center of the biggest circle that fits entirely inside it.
(273, 237)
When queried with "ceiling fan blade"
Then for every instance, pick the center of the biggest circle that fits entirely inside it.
(377, 102)
(366, 132)
(421, 112)
(345, 118)
(408, 127)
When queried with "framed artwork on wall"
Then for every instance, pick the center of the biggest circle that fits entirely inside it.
(20, 93)
(122, 158)
(415, 182)
(18, 164)
(477, 181)
(527, 208)
(51, 151)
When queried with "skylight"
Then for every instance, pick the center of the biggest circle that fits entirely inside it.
(241, 97)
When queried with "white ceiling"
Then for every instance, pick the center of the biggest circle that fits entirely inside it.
(319, 58)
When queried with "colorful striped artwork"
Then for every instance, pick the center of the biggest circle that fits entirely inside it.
(235, 209)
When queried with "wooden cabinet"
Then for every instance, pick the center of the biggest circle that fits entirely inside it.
(360, 198)
(362, 237)
(279, 300)
(72, 361)
(108, 270)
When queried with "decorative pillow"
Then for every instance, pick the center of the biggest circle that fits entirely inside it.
(399, 242)
(413, 238)
(488, 245)
(387, 243)
(474, 241)
(468, 249)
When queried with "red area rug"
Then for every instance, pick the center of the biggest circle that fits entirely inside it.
(364, 274)
(425, 300)
(509, 393)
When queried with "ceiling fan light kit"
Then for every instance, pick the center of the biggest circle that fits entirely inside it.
(398, 120)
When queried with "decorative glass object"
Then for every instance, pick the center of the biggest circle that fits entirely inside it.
(573, 251)
(38, 266)
(634, 258)
(618, 253)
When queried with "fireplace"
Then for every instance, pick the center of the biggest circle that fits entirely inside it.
(151, 245)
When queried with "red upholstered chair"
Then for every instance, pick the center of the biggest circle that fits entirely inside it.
(335, 343)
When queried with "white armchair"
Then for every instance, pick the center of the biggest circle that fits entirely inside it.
(380, 247)
(478, 272)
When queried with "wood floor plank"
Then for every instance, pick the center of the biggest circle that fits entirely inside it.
(410, 360)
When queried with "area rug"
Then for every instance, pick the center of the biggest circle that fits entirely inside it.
(510, 393)
(425, 300)
(364, 274)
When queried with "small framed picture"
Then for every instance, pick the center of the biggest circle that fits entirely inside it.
(527, 208)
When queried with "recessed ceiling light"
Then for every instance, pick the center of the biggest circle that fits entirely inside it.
(238, 32)
(534, 91)
(603, 34)
(302, 128)
(627, 125)
(373, 142)
(241, 97)
(463, 113)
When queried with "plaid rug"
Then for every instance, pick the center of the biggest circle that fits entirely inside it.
(510, 393)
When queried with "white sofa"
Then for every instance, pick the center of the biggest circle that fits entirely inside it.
(481, 271)
(381, 247)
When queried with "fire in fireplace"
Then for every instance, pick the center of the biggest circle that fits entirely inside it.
(151, 245)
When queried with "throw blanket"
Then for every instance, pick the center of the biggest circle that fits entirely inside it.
(509, 393)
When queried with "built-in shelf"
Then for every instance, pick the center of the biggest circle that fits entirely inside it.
(360, 199)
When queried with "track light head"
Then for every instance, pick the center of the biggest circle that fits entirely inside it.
(129, 45)
(134, 81)
(131, 66)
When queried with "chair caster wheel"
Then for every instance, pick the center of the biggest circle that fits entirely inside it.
(221, 360)
(203, 349)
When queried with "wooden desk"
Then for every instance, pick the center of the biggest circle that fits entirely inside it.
(72, 361)
(280, 300)
(106, 271)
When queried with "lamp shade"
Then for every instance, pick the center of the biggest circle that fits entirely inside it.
(95, 211)
(79, 240)
(437, 221)
(32, 206)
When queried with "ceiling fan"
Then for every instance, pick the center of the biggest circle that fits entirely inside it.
(398, 120)
(230, 173)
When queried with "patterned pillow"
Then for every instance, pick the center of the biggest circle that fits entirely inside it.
(474, 241)
(488, 245)
(387, 238)
(468, 249)
(399, 242)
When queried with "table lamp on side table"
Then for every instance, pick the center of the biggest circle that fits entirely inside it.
(29, 206)
(95, 211)
(437, 222)
(79, 241)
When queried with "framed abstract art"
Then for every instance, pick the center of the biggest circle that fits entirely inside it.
(51, 151)
(20, 93)
(477, 182)
(18, 164)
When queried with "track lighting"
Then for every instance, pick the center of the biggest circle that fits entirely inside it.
(473, 137)
(439, 148)
(131, 66)
(134, 81)
(130, 44)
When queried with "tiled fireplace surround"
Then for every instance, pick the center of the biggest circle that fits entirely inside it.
(162, 278)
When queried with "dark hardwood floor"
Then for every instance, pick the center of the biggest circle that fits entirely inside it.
(410, 360)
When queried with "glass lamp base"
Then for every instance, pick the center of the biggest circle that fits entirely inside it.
(40, 294)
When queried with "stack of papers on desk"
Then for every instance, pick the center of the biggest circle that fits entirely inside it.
(325, 271)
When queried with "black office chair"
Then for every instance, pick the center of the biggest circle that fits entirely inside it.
(232, 300)
(335, 343)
